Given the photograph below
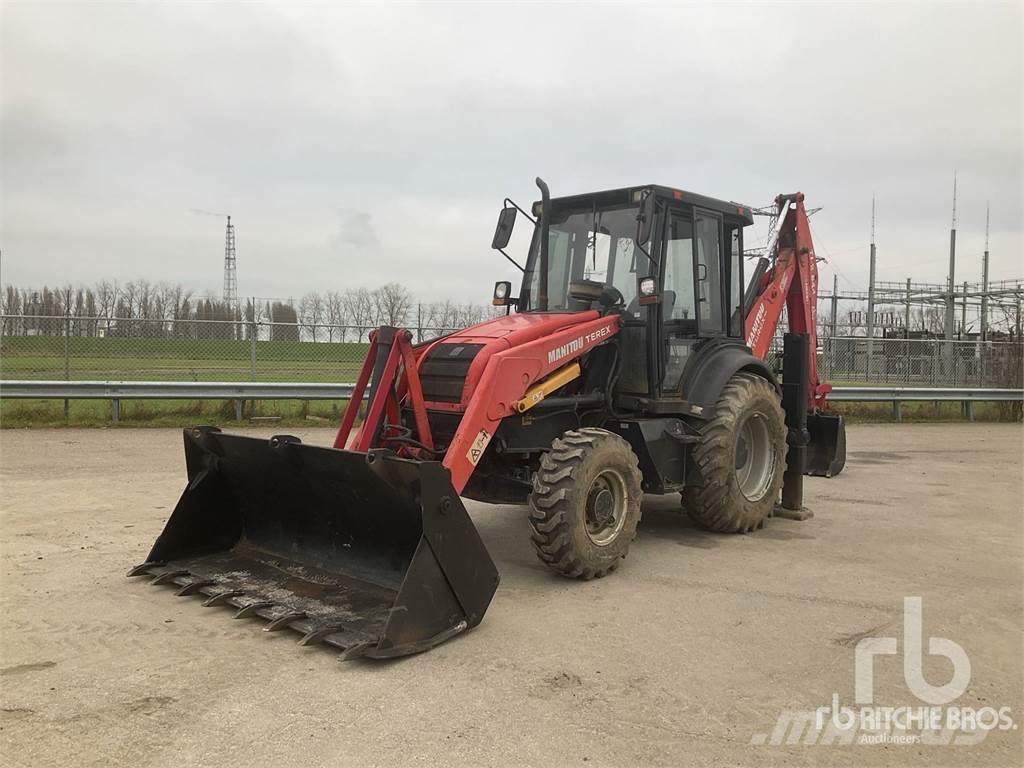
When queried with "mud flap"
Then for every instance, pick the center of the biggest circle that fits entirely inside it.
(367, 552)
(826, 452)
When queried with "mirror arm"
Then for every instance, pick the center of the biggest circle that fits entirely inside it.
(640, 221)
(511, 260)
(645, 253)
(509, 201)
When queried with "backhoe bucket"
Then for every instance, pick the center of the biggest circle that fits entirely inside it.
(367, 552)
(826, 452)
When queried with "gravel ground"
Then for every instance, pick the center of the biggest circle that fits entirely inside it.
(686, 655)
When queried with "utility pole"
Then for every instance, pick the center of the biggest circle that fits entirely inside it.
(835, 303)
(951, 280)
(950, 289)
(67, 341)
(230, 293)
(984, 282)
(906, 310)
(906, 330)
(871, 291)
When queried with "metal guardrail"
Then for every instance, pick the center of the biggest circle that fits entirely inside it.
(892, 394)
(966, 396)
(116, 391)
(240, 391)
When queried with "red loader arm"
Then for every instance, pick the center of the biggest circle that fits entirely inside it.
(503, 383)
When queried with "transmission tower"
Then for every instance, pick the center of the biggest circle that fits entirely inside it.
(230, 295)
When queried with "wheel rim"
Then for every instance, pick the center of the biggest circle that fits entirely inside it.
(755, 457)
(607, 501)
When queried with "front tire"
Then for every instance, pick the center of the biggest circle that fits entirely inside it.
(742, 458)
(585, 503)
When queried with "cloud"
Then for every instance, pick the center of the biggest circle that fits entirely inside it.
(355, 231)
(358, 144)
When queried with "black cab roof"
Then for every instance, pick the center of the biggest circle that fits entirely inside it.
(627, 195)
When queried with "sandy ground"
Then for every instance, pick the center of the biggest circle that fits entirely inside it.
(690, 651)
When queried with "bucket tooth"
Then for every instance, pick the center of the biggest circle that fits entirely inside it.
(251, 608)
(357, 650)
(143, 568)
(222, 597)
(282, 622)
(319, 633)
(166, 576)
(195, 586)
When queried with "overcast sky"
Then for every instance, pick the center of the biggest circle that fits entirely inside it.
(355, 145)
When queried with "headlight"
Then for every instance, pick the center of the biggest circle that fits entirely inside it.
(647, 288)
(502, 293)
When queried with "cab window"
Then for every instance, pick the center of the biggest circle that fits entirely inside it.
(709, 273)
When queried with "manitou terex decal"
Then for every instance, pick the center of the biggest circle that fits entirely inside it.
(757, 326)
(578, 344)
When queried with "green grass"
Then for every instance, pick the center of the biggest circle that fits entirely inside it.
(17, 414)
(923, 411)
(117, 359)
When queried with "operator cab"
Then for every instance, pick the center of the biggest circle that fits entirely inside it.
(670, 261)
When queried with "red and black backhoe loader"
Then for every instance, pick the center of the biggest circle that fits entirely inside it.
(634, 363)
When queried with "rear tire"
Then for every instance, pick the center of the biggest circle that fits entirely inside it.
(585, 503)
(742, 458)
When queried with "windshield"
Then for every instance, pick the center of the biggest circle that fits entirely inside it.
(585, 245)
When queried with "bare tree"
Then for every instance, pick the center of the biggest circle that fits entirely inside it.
(90, 312)
(359, 310)
(334, 306)
(311, 311)
(107, 296)
(441, 317)
(11, 306)
(392, 303)
(469, 315)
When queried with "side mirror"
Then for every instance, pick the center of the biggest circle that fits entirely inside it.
(645, 219)
(502, 233)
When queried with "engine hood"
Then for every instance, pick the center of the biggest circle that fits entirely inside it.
(450, 367)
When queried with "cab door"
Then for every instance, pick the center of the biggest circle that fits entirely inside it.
(711, 289)
(693, 293)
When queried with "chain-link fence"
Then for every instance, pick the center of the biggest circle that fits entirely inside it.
(119, 349)
(920, 362)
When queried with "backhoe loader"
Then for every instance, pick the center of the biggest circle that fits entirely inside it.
(634, 362)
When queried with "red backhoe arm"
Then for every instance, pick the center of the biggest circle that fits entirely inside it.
(792, 280)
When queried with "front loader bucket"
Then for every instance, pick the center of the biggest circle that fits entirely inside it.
(826, 452)
(367, 552)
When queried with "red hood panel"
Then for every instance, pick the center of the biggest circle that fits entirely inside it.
(503, 333)
(520, 328)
